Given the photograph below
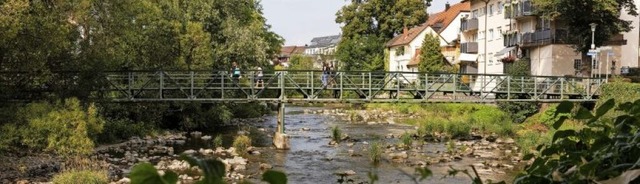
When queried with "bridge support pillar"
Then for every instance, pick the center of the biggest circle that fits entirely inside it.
(280, 139)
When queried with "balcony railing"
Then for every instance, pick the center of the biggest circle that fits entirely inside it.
(469, 47)
(510, 39)
(522, 9)
(469, 24)
(544, 37)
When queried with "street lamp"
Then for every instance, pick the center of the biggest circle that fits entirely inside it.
(593, 31)
(593, 46)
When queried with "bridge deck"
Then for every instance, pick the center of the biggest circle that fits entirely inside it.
(342, 87)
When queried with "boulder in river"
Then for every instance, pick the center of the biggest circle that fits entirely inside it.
(206, 137)
(189, 152)
(265, 166)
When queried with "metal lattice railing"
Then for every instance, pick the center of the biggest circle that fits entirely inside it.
(341, 86)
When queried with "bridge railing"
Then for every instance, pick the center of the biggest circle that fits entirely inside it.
(308, 85)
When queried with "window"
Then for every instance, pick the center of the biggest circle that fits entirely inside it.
(577, 64)
(481, 35)
(489, 57)
(543, 24)
(400, 51)
(490, 34)
(490, 10)
(474, 14)
(499, 33)
(596, 63)
(499, 7)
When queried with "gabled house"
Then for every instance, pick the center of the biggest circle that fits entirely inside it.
(287, 51)
(404, 49)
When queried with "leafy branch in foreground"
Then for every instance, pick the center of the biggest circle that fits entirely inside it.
(213, 172)
(604, 151)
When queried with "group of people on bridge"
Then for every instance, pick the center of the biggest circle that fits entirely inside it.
(328, 75)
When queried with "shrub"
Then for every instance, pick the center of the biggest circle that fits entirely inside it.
(217, 142)
(87, 176)
(122, 129)
(458, 129)
(66, 129)
(242, 143)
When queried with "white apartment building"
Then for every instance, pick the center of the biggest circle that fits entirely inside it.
(631, 51)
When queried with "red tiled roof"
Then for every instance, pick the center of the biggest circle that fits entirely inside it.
(291, 50)
(444, 17)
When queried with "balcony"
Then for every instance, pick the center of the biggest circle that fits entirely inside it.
(544, 37)
(521, 10)
(469, 47)
(469, 25)
(510, 39)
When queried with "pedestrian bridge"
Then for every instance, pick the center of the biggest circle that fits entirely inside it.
(343, 87)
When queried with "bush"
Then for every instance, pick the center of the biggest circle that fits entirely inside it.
(88, 177)
(9, 138)
(122, 129)
(596, 151)
(66, 129)
(622, 92)
(242, 143)
(217, 142)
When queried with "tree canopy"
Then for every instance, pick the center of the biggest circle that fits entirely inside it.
(578, 14)
(368, 24)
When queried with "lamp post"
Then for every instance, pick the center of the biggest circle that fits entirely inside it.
(484, 73)
(593, 46)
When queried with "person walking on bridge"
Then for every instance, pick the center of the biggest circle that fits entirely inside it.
(259, 82)
(235, 73)
(325, 74)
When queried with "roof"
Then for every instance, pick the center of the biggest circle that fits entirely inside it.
(442, 19)
(291, 50)
(325, 41)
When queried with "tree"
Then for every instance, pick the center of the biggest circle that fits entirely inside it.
(368, 24)
(431, 59)
(578, 14)
(300, 62)
(519, 111)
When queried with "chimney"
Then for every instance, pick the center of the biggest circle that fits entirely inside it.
(447, 6)
(405, 32)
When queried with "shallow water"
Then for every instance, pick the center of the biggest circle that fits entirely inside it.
(307, 160)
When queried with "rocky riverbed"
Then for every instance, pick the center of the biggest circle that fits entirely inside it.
(313, 157)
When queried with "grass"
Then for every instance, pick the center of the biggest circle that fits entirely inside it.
(454, 120)
(241, 143)
(375, 152)
(407, 140)
(86, 176)
(336, 134)
(538, 129)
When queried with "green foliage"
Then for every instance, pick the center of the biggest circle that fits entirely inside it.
(407, 140)
(9, 138)
(431, 58)
(621, 91)
(242, 143)
(375, 152)
(66, 129)
(601, 150)
(519, 111)
(213, 172)
(336, 134)
(122, 129)
(300, 62)
(604, 13)
(369, 24)
(87, 176)
(217, 142)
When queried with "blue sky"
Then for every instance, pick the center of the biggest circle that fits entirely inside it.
(298, 21)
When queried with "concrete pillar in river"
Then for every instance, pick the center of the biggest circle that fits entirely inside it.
(281, 140)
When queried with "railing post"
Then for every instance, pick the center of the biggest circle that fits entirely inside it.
(281, 82)
(426, 85)
(535, 88)
(222, 84)
(341, 83)
(130, 85)
(508, 87)
(191, 81)
(562, 88)
(398, 86)
(455, 85)
(252, 84)
(370, 86)
(312, 90)
(161, 83)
